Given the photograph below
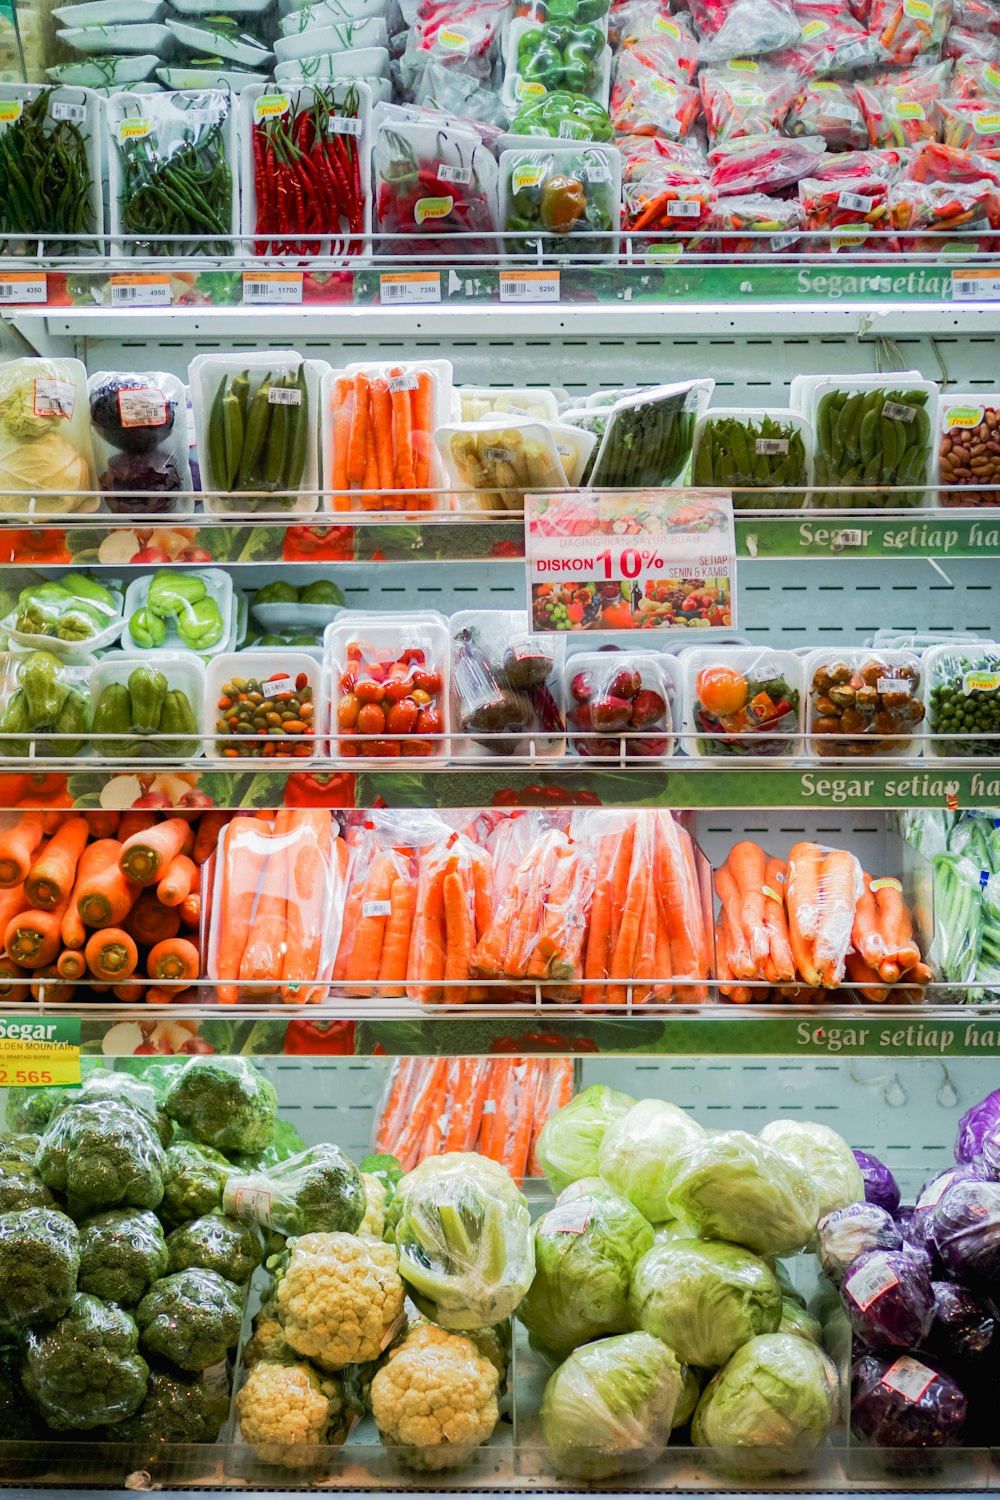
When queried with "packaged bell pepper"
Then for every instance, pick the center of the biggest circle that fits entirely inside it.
(563, 116)
(434, 179)
(562, 191)
(544, 58)
(574, 12)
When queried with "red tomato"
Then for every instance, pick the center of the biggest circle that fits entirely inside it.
(347, 711)
(427, 682)
(429, 721)
(371, 719)
(402, 717)
(369, 692)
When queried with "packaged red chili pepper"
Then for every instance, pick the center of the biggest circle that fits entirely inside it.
(668, 38)
(435, 180)
(934, 162)
(647, 101)
(832, 41)
(899, 108)
(307, 168)
(846, 166)
(973, 47)
(971, 124)
(907, 29)
(641, 154)
(743, 28)
(924, 211)
(829, 109)
(975, 80)
(744, 98)
(976, 15)
(666, 199)
(841, 217)
(763, 163)
(754, 224)
(466, 40)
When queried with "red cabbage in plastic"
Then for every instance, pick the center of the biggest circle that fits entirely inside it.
(849, 1232)
(933, 1190)
(963, 1230)
(972, 1125)
(964, 1329)
(880, 1185)
(988, 1160)
(888, 1297)
(905, 1403)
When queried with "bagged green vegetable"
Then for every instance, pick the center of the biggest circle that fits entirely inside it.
(46, 457)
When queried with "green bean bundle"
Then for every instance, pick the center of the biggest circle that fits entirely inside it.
(175, 176)
(46, 188)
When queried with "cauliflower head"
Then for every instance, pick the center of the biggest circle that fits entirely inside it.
(103, 1155)
(194, 1178)
(224, 1102)
(268, 1344)
(435, 1399)
(288, 1413)
(122, 1252)
(192, 1318)
(84, 1370)
(39, 1261)
(216, 1243)
(376, 1197)
(338, 1297)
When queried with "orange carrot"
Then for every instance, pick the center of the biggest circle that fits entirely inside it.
(867, 938)
(776, 920)
(623, 958)
(519, 1143)
(482, 889)
(151, 922)
(802, 895)
(176, 884)
(264, 954)
(317, 865)
(460, 935)
(396, 940)
(599, 927)
(396, 1109)
(366, 950)
(563, 920)
(135, 821)
(106, 897)
(132, 991)
(33, 939)
(241, 851)
(49, 808)
(190, 910)
(370, 500)
(426, 962)
(17, 846)
(748, 862)
(402, 422)
(111, 954)
(865, 979)
(171, 995)
(896, 924)
(840, 883)
(441, 1106)
(341, 441)
(422, 422)
(95, 857)
(679, 899)
(146, 857)
(103, 825)
(71, 964)
(210, 826)
(11, 991)
(406, 1143)
(357, 447)
(49, 986)
(663, 964)
(50, 879)
(12, 903)
(175, 958)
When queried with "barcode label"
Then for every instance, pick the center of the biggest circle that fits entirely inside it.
(567, 1218)
(782, 241)
(216, 1380)
(283, 287)
(529, 286)
(766, 446)
(683, 208)
(275, 688)
(376, 908)
(894, 685)
(142, 407)
(934, 1191)
(835, 111)
(765, 674)
(850, 52)
(598, 172)
(76, 113)
(447, 173)
(345, 125)
(850, 538)
(897, 412)
(26, 287)
(253, 1203)
(409, 286)
(499, 455)
(975, 286)
(55, 398)
(871, 1282)
(908, 1378)
(399, 383)
(856, 202)
(284, 395)
(140, 291)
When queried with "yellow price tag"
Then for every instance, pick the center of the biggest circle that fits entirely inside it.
(40, 1050)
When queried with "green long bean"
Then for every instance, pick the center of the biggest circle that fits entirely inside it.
(46, 189)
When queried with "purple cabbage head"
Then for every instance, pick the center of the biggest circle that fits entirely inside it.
(964, 1329)
(963, 1231)
(905, 1403)
(849, 1232)
(971, 1127)
(988, 1160)
(888, 1297)
(880, 1185)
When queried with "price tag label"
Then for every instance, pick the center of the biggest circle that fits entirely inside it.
(74, 113)
(908, 1378)
(253, 1203)
(23, 286)
(395, 287)
(140, 291)
(529, 286)
(284, 395)
(376, 909)
(276, 687)
(39, 1050)
(617, 560)
(142, 406)
(568, 1218)
(898, 411)
(975, 286)
(768, 447)
(874, 1279)
(272, 287)
(345, 125)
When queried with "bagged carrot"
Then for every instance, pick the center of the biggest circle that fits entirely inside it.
(378, 445)
(242, 856)
(822, 893)
(317, 886)
(681, 904)
(540, 922)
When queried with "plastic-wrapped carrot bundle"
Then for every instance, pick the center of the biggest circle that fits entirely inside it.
(378, 912)
(681, 910)
(554, 1091)
(822, 892)
(415, 1091)
(379, 448)
(882, 933)
(614, 863)
(454, 908)
(537, 932)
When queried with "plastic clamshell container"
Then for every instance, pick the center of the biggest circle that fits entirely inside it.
(607, 159)
(60, 391)
(807, 394)
(516, 92)
(110, 12)
(696, 396)
(199, 78)
(90, 126)
(204, 373)
(423, 630)
(340, 36)
(111, 72)
(71, 652)
(117, 39)
(961, 418)
(302, 96)
(659, 674)
(367, 64)
(974, 668)
(907, 742)
(477, 401)
(184, 672)
(76, 675)
(495, 437)
(245, 50)
(262, 665)
(752, 417)
(220, 588)
(291, 618)
(574, 447)
(500, 631)
(312, 18)
(759, 666)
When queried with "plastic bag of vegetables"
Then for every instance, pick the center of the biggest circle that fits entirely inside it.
(46, 458)
(140, 441)
(463, 1233)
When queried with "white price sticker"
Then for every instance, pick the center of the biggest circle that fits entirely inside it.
(23, 286)
(850, 52)
(870, 1283)
(409, 286)
(975, 286)
(399, 383)
(140, 291)
(461, 175)
(55, 398)
(284, 395)
(216, 1380)
(344, 125)
(272, 287)
(376, 908)
(74, 114)
(253, 1203)
(683, 208)
(833, 109)
(499, 455)
(144, 406)
(567, 1218)
(765, 447)
(896, 411)
(908, 1378)
(277, 687)
(529, 286)
(856, 203)
(934, 1191)
(894, 685)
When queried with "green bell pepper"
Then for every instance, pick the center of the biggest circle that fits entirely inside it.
(113, 715)
(147, 630)
(147, 688)
(564, 115)
(544, 66)
(200, 626)
(171, 593)
(178, 717)
(45, 688)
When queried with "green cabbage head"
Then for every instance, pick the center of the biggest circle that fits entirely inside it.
(734, 1186)
(638, 1151)
(825, 1155)
(570, 1139)
(704, 1298)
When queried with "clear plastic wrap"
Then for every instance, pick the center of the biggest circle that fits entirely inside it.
(497, 459)
(858, 166)
(832, 41)
(735, 1187)
(318, 1190)
(506, 681)
(674, 204)
(963, 698)
(141, 440)
(974, 1125)
(570, 1141)
(970, 124)
(354, 1269)
(192, 1318)
(881, 1188)
(704, 1299)
(641, 154)
(875, 695)
(433, 178)
(454, 910)
(822, 1153)
(743, 28)
(556, 55)
(888, 1298)
(762, 449)
(740, 700)
(963, 1229)
(71, 618)
(763, 163)
(664, 417)
(905, 1403)
(899, 107)
(132, 695)
(463, 1232)
(548, 196)
(646, 99)
(45, 442)
(39, 1262)
(845, 215)
(870, 432)
(828, 109)
(626, 696)
(392, 679)
(216, 1242)
(822, 893)
(174, 611)
(904, 30)
(51, 141)
(378, 435)
(102, 1155)
(667, 40)
(849, 1232)
(430, 1359)
(43, 696)
(744, 98)
(84, 1371)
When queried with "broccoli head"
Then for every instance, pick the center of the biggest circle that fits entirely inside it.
(160, 1073)
(21, 1187)
(84, 1370)
(122, 1252)
(224, 1102)
(18, 1148)
(19, 1422)
(39, 1260)
(28, 1109)
(268, 1343)
(194, 1177)
(179, 1408)
(284, 1143)
(216, 1243)
(102, 1155)
(386, 1168)
(317, 1192)
(123, 1088)
(191, 1318)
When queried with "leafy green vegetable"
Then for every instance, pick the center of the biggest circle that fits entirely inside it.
(637, 1152)
(704, 1298)
(569, 1141)
(734, 1186)
(84, 1370)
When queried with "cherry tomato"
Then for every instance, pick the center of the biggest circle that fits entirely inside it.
(347, 711)
(347, 682)
(397, 688)
(402, 717)
(429, 721)
(385, 748)
(371, 719)
(369, 692)
(428, 682)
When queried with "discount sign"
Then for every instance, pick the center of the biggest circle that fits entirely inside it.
(631, 560)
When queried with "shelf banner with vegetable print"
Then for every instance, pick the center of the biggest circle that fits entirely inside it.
(652, 559)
